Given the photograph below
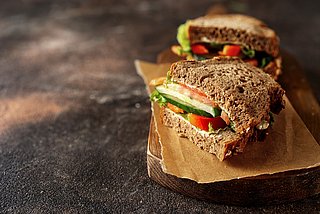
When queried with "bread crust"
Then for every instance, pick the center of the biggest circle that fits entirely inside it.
(244, 92)
(223, 144)
(235, 29)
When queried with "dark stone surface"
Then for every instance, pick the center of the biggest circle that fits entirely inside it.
(74, 115)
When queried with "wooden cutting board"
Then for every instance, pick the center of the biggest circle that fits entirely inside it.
(260, 190)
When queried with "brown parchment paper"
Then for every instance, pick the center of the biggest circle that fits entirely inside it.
(289, 146)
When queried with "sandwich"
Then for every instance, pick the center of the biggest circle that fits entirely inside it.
(230, 35)
(219, 104)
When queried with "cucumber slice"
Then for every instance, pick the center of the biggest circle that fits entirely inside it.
(171, 89)
(185, 106)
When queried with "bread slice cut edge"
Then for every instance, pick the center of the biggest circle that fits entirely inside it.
(223, 143)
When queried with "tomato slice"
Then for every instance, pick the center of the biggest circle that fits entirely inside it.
(175, 109)
(196, 94)
(231, 50)
(253, 62)
(203, 122)
(199, 49)
(193, 90)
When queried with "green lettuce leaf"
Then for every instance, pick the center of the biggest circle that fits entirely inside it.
(248, 52)
(182, 37)
(217, 46)
(168, 78)
(265, 61)
(157, 97)
(198, 57)
(232, 126)
(271, 118)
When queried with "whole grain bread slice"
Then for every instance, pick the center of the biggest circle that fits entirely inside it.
(223, 143)
(236, 29)
(244, 92)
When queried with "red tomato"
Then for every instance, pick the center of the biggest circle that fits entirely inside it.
(253, 62)
(193, 90)
(203, 122)
(231, 50)
(196, 94)
(199, 49)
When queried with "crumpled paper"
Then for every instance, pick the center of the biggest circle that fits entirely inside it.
(289, 146)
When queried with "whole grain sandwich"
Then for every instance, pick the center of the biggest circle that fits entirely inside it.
(219, 104)
(230, 35)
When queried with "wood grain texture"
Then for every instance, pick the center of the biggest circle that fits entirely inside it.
(90, 156)
(260, 190)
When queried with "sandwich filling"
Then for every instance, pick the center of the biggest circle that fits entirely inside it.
(194, 106)
(207, 50)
